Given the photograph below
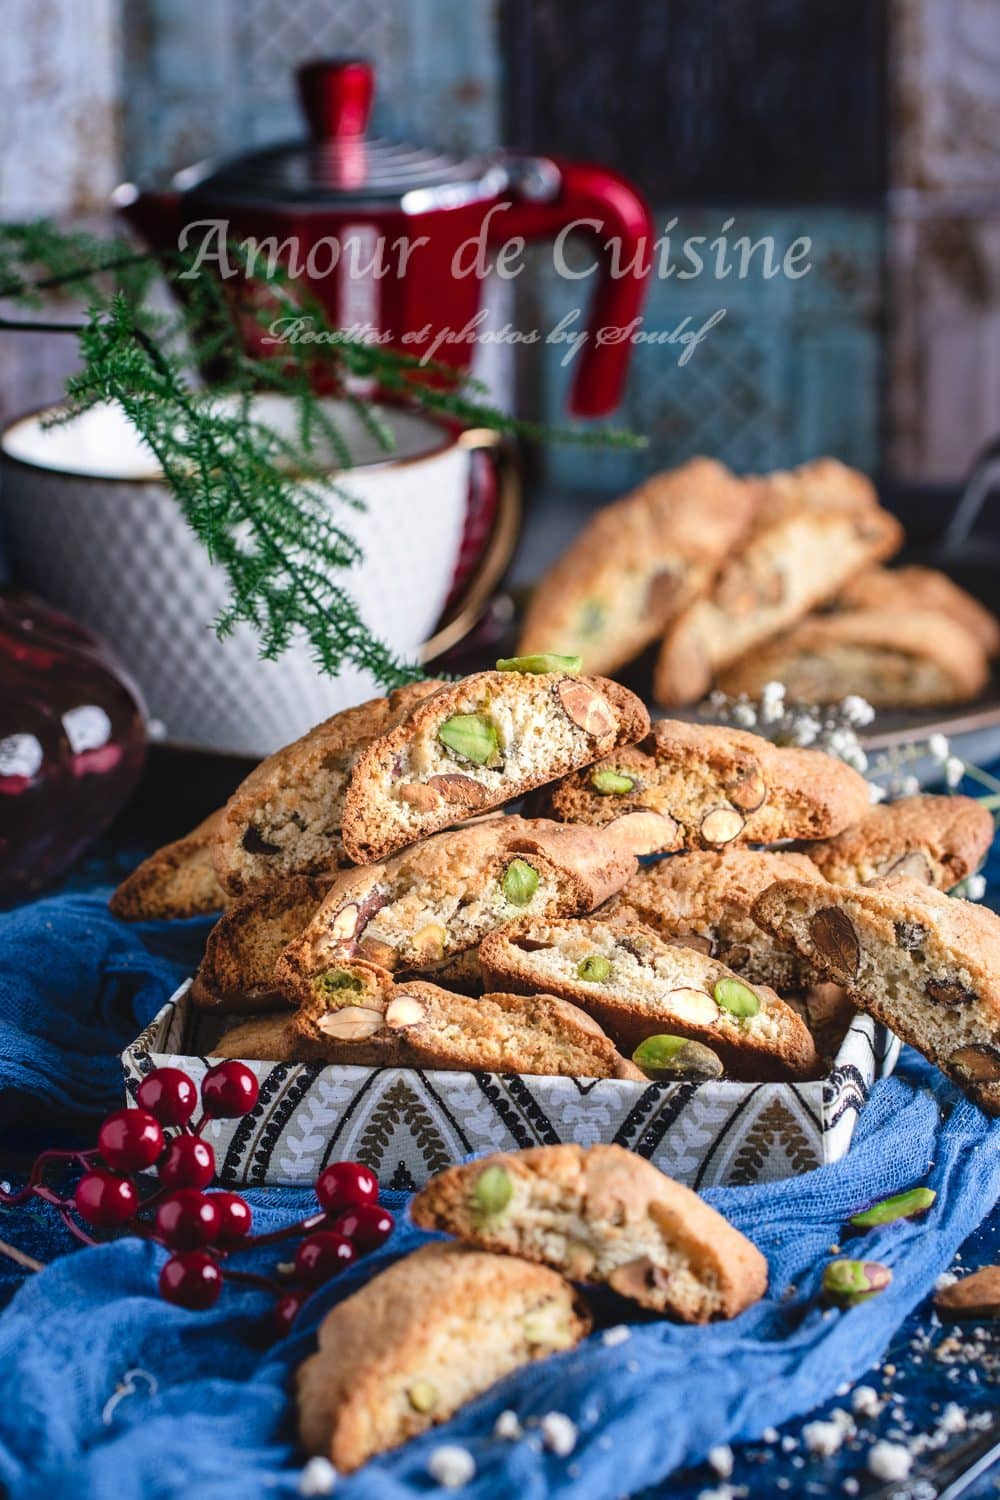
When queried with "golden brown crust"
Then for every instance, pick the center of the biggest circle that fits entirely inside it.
(177, 881)
(686, 775)
(893, 658)
(421, 1339)
(636, 564)
(408, 783)
(266, 1038)
(814, 529)
(237, 970)
(284, 819)
(939, 840)
(603, 1214)
(913, 587)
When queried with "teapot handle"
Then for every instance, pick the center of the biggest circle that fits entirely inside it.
(549, 196)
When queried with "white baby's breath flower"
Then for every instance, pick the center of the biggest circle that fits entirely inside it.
(558, 1433)
(744, 715)
(319, 1477)
(973, 887)
(876, 793)
(508, 1425)
(954, 770)
(907, 786)
(857, 710)
(772, 702)
(451, 1466)
(803, 729)
(939, 747)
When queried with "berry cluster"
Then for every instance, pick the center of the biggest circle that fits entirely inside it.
(203, 1230)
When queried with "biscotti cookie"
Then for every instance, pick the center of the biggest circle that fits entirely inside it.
(420, 1025)
(421, 1339)
(939, 840)
(914, 587)
(268, 1038)
(924, 963)
(703, 900)
(637, 564)
(695, 786)
(284, 819)
(601, 1214)
(476, 744)
(636, 985)
(814, 529)
(417, 911)
(893, 658)
(237, 971)
(177, 881)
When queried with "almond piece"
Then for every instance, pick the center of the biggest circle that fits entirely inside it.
(454, 787)
(403, 1011)
(980, 1063)
(415, 794)
(949, 992)
(748, 789)
(429, 942)
(345, 924)
(975, 1296)
(644, 832)
(836, 942)
(353, 1023)
(914, 864)
(721, 825)
(696, 941)
(587, 708)
(694, 1006)
(376, 952)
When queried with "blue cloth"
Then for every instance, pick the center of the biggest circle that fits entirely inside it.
(219, 1423)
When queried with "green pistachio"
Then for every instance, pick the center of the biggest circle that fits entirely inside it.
(336, 981)
(736, 997)
(901, 1206)
(595, 968)
(520, 882)
(492, 1192)
(548, 1326)
(676, 1057)
(611, 783)
(473, 737)
(422, 1395)
(848, 1282)
(545, 662)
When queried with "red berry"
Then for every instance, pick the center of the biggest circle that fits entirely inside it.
(286, 1310)
(345, 1184)
(323, 1255)
(229, 1090)
(367, 1226)
(235, 1217)
(191, 1279)
(188, 1219)
(130, 1139)
(168, 1094)
(189, 1163)
(104, 1199)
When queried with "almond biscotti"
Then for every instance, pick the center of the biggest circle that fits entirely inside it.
(364, 1018)
(604, 1215)
(476, 744)
(285, 817)
(924, 963)
(814, 528)
(265, 1038)
(939, 840)
(891, 657)
(703, 900)
(417, 911)
(422, 1338)
(637, 564)
(243, 948)
(697, 786)
(177, 881)
(636, 985)
(914, 587)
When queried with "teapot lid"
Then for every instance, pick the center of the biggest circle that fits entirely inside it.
(340, 164)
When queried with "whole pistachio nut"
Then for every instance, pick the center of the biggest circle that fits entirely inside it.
(544, 662)
(595, 968)
(472, 736)
(520, 882)
(611, 783)
(901, 1206)
(492, 1192)
(849, 1282)
(676, 1057)
(736, 997)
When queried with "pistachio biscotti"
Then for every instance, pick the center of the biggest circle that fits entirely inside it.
(422, 1338)
(636, 564)
(939, 840)
(814, 528)
(894, 658)
(636, 985)
(416, 911)
(476, 744)
(914, 587)
(696, 786)
(237, 971)
(924, 963)
(177, 881)
(601, 1214)
(284, 819)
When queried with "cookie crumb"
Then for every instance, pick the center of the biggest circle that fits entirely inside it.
(451, 1466)
(318, 1477)
(612, 1337)
(889, 1461)
(508, 1425)
(558, 1433)
(720, 1459)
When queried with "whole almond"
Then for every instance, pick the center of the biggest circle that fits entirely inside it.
(975, 1296)
(354, 1023)
(588, 708)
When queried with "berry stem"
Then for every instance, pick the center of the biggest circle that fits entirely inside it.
(250, 1278)
(19, 1258)
(304, 1226)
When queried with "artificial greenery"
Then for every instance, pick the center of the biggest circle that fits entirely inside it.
(258, 501)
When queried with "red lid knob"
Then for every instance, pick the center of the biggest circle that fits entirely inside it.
(336, 96)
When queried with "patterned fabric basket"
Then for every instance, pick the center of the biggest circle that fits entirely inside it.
(408, 1123)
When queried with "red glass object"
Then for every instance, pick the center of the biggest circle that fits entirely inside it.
(189, 1163)
(168, 1094)
(191, 1279)
(72, 743)
(104, 1199)
(235, 1218)
(344, 1184)
(286, 1310)
(366, 1225)
(130, 1140)
(229, 1090)
(323, 1255)
(188, 1219)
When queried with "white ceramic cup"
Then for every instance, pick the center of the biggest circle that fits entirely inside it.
(92, 528)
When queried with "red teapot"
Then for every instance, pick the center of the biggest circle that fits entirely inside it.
(396, 239)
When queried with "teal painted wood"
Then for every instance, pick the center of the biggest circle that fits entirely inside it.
(792, 369)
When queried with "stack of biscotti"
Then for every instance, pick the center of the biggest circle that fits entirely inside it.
(776, 577)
